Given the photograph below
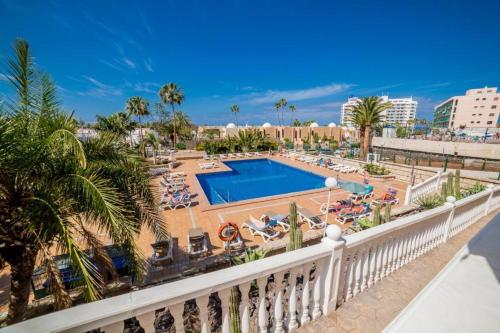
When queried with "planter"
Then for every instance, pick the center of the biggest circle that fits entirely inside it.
(389, 176)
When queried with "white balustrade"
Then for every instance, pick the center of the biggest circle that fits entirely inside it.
(341, 269)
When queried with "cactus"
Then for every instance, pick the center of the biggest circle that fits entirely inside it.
(387, 213)
(295, 234)
(449, 187)
(234, 313)
(458, 193)
(443, 190)
(377, 218)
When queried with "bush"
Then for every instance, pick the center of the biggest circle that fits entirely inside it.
(180, 145)
(430, 201)
(478, 187)
(374, 169)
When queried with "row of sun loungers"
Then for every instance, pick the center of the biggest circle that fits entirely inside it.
(209, 165)
(264, 227)
(174, 192)
(322, 162)
(230, 155)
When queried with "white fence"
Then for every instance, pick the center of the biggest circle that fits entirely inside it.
(290, 289)
(432, 184)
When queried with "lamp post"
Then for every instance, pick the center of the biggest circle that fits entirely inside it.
(330, 183)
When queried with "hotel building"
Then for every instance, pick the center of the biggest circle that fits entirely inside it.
(479, 108)
(402, 111)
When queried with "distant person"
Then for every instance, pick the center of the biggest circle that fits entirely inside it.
(366, 177)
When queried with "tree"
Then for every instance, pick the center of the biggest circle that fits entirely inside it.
(172, 95)
(366, 113)
(292, 109)
(114, 123)
(296, 123)
(235, 109)
(150, 140)
(55, 189)
(137, 106)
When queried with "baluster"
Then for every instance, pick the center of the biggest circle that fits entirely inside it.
(278, 304)
(385, 254)
(379, 262)
(402, 250)
(316, 313)
(262, 312)
(421, 240)
(364, 269)
(177, 310)
(114, 328)
(306, 274)
(224, 301)
(147, 321)
(349, 277)
(202, 303)
(357, 273)
(244, 307)
(372, 265)
(390, 255)
(410, 246)
(292, 300)
(395, 252)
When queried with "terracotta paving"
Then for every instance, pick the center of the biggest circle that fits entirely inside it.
(372, 310)
(208, 217)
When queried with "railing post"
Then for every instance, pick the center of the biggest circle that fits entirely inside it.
(438, 182)
(331, 272)
(408, 195)
(450, 202)
(489, 188)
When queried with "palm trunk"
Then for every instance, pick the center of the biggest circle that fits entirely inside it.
(142, 136)
(22, 264)
(361, 143)
(366, 141)
(175, 130)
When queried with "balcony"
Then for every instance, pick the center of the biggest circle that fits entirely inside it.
(284, 291)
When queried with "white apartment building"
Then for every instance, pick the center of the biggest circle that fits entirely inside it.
(402, 111)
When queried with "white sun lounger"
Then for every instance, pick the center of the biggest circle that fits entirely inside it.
(312, 220)
(248, 154)
(257, 153)
(259, 228)
(231, 155)
(239, 155)
(208, 165)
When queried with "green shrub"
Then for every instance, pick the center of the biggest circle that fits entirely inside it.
(478, 187)
(430, 201)
(365, 223)
(180, 145)
(374, 169)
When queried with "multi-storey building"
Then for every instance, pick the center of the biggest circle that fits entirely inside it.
(479, 108)
(402, 112)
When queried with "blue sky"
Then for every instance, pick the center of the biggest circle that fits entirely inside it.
(314, 53)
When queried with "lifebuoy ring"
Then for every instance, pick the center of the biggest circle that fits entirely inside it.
(222, 229)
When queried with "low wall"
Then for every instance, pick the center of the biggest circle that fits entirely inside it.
(463, 149)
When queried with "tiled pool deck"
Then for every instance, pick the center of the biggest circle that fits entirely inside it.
(208, 217)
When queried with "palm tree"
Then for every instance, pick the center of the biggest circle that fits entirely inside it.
(153, 141)
(55, 190)
(115, 123)
(292, 109)
(235, 109)
(171, 95)
(277, 106)
(137, 106)
(365, 114)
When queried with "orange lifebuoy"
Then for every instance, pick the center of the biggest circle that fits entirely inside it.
(225, 226)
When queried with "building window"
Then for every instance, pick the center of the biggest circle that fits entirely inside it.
(484, 98)
(475, 107)
(482, 106)
(491, 114)
(493, 106)
(477, 99)
(495, 99)
(472, 122)
(478, 122)
(473, 114)
(480, 114)
(489, 122)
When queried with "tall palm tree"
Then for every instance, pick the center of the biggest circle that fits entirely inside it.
(277, 106)
(137, 106)
(235, 109)
(55, 190)
(171, 95)
(292, 109)
(365, 114)
(283, 102)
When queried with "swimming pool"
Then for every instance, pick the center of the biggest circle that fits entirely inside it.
(257, 178)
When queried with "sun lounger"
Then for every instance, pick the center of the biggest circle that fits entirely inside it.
(231, 155)
(280, 220)
(353, 214)
(337, 167)
(209, 165)
(257, 153)
(259, 228)
(222, 156)
(239, 155)
(312, 220)
(388, 198)
(177, 199)
(336, 206)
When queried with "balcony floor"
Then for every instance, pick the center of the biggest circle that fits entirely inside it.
(372, 310)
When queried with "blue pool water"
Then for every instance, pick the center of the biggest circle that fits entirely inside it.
(257, 178)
